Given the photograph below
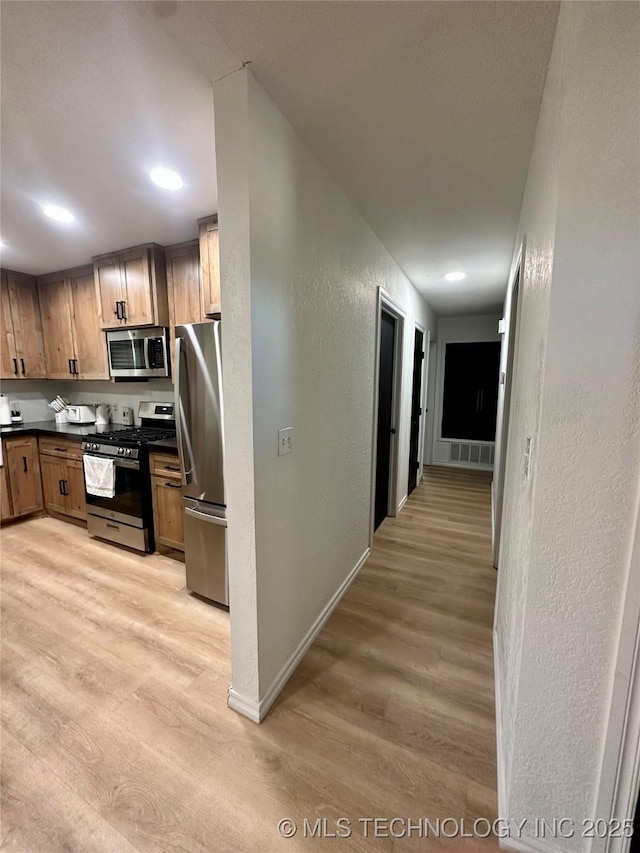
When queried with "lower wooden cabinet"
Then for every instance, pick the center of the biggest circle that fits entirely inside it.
(23, 471)
(5, 497)
(63, 477)
(168, 512)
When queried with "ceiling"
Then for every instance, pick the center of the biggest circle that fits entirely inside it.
(423, 112)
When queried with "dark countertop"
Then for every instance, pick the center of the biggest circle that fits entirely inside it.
(73, 431)
(77, 432)
(170, 444)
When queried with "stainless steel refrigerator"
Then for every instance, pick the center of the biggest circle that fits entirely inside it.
(199, 424)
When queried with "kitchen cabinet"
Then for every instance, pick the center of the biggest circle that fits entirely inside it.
(183, 284)
(168, 511)
(183, 287)
(131, 288)
(63, 477)
(5, 497)
(23, 469)
(75, 346)
(22, 341)
(209, 266)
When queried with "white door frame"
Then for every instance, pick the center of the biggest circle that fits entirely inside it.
(387, 303)
(426, 343)
(502, 426)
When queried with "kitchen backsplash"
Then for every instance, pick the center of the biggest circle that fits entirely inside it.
(34, 395)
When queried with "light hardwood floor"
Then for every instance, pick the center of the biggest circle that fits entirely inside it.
(116, 737)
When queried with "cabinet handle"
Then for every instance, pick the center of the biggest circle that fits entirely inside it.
(64, 488)
(75, 366)
(15, 366)
(117, 311)
(174, 485)
(60, 487)
(70, 365)
(172, 468)
(124, 310)
(24, 464)
(22, 365)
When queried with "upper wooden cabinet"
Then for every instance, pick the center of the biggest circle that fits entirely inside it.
(209, 266)
(131, 287)
(22, 342)
(183, 284)
(75, 345)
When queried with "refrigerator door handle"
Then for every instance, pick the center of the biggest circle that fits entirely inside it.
(205, 516)
(185, 457)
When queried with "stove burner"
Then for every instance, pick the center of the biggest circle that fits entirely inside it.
(139, 434)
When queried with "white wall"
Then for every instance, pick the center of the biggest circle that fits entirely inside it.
(566, 540)
(34, 394)
(455, 330)
(300, 276)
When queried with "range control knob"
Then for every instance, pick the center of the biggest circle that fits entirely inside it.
(94, 446)
(128, 451)
(121, 451)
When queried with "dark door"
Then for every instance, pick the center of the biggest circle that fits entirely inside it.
(416, 411)
(471, 391)
(385, 415)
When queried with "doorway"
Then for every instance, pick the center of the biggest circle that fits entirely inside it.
(502, 432)
(416, 410)
(386, 428)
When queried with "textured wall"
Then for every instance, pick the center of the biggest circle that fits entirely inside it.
(315, 269)
(566, 541)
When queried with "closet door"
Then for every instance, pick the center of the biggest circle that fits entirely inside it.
(470, 391)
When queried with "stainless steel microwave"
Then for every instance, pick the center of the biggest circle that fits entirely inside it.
(138, 353)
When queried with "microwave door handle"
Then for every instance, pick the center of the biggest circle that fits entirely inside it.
(147, 360)
(184, 451)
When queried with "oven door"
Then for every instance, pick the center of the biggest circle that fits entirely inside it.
(128, 503)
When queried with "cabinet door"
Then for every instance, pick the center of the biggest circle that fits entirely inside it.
(210, 266)
(109, 291)
(5, 497)
(74, 489)
(24, 474)
(136, 276)
(168, 512)
(8, 355)
(55, 307)
(27, 326)
(183, 280)
(53, 475)
(90, 340)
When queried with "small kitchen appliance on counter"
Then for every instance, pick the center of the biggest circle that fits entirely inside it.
(102, 414)
(81, 414)
(5, 411)
(127, 517)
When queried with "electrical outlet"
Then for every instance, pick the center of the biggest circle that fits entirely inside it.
(285, 441)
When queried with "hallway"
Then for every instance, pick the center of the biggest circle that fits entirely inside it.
(116, 733)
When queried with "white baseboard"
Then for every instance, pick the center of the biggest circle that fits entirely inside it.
(527, 845)
(257, 711)
(403, 502)
(237, 702)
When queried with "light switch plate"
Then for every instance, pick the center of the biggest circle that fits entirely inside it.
(285, 440)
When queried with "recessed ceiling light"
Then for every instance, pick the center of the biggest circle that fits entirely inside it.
(455, 276)
(58, 213)
(166, 178)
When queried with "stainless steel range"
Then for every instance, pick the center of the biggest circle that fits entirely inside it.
(127, 517)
